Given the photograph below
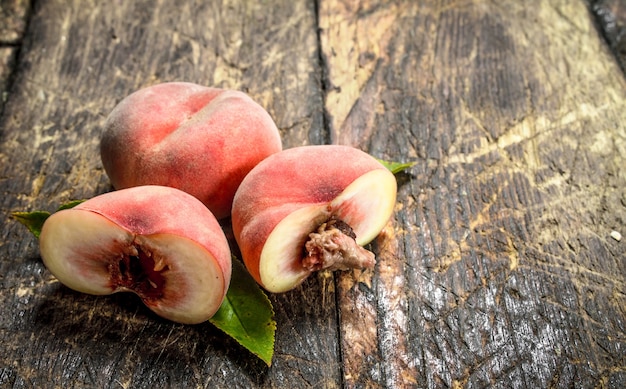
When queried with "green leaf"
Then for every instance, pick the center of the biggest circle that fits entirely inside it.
(247, 315)
(34, 220)
(70, 204)
(396, 167)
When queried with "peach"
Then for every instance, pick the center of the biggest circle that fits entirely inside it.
(158, 242)
(311, 208)
(194, 138)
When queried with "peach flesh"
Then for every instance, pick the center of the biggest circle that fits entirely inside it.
(198, 139)
(288, 201)
(158, 242)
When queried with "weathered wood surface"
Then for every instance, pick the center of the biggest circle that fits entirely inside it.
(498, 269)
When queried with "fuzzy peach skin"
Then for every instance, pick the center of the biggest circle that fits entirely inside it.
(158, 242)
(289, 195)
(198, 139)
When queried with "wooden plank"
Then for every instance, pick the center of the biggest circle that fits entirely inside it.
(79, 58)
(501, 267)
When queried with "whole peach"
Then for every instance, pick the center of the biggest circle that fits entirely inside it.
(158, 242)
(311, 208)
(194, 138)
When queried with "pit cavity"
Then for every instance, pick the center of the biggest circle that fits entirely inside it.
(138, 271)
(333, 247)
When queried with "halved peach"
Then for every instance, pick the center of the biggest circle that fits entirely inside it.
(158, 242)
(311, 208)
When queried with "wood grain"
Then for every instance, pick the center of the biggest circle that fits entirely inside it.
(498, 269)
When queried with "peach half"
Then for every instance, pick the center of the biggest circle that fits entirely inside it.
(194, 138)
(311, 208)
(158, 242)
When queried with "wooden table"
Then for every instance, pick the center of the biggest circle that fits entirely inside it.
(502, 266)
